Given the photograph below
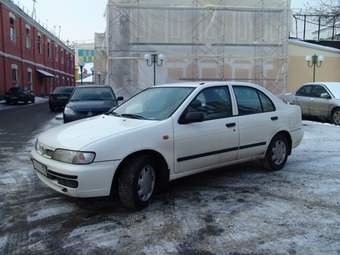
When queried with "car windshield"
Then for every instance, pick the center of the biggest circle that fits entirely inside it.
(335, 89)
(92, 93)
(154, 103)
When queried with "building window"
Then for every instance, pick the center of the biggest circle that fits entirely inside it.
(28, 37)
(39, 43)
(63, 81)
(62, 56)
(72, 60)
(56, 53)
(57, 81)
(67, 60)
(12, 27)
(29, 79)
(15, 75)
(68, 81)
(48, 48)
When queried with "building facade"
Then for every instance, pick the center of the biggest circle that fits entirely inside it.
(31, 56)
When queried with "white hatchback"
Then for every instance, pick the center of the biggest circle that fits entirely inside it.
(164, 133)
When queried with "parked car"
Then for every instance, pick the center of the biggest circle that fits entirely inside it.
(59, 97)
(17, 94)
(164, 133)
(317, 99)
(89, 100)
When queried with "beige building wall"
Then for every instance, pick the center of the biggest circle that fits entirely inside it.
(298, 70)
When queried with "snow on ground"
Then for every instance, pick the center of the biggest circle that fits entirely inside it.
(235, 210)
(38, 100)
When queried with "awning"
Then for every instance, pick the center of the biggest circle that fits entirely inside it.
(45, 73)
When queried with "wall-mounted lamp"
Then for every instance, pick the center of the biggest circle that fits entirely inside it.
(314, 61)
(154, 59)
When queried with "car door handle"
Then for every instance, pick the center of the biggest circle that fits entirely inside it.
(230, 125)
(274, 118)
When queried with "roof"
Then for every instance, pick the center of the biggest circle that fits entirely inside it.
(312, 45)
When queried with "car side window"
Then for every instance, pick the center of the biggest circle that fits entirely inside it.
(251, 101)
(317, 91)
(304, 91)
(214, 103)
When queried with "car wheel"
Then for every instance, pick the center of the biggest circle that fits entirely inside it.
(137, 182)
(33, 100)
(336, 116)
(277, 153)
(8, 102)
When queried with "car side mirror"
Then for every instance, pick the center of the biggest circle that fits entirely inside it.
(120, 98)
(191, 117)
(325, 95)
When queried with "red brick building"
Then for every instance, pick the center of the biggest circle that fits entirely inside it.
(30, 55)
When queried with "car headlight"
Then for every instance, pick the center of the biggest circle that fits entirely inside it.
(73, 157)
(68, 111)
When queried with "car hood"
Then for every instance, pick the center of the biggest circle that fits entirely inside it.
(75, 135)
(91, 105)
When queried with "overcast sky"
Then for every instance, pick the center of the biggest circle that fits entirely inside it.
(78, 20)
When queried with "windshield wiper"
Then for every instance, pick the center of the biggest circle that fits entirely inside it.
(111, 112)
(133, 116)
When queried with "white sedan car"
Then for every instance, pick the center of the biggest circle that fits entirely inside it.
(164, 133)
(317, 99)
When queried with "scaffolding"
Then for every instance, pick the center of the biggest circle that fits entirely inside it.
(232, 40)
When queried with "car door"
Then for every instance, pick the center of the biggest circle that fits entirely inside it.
(214, 140)
(258, 120)
(302, 98)
(318, 106)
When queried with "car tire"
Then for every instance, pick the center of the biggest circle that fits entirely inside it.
(8, 102)
(277, 153)
(336, 116)
(33, 100)
(137, 182)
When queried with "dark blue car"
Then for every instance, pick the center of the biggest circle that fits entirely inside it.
(89, 100)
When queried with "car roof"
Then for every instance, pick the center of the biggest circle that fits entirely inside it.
(92, 86)
(206, 83)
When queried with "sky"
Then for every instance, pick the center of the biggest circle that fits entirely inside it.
(76, 21)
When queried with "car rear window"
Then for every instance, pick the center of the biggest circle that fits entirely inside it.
(60, 90)
(14, 89)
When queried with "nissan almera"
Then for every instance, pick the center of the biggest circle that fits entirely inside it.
(164, 133)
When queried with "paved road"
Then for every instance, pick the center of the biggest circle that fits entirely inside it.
(19, 123)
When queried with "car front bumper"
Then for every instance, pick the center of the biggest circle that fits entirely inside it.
(92, 180)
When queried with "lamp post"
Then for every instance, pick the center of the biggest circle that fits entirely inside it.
(92, 70)
(99, 73)
(81, 64)
(314, 61)
(154, 59)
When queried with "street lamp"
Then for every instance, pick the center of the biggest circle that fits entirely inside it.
(99, 73)
(81, 64)
(314, 61)
(92, 70)
(154, 59)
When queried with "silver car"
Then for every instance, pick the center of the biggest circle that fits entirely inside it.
(317, 99)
